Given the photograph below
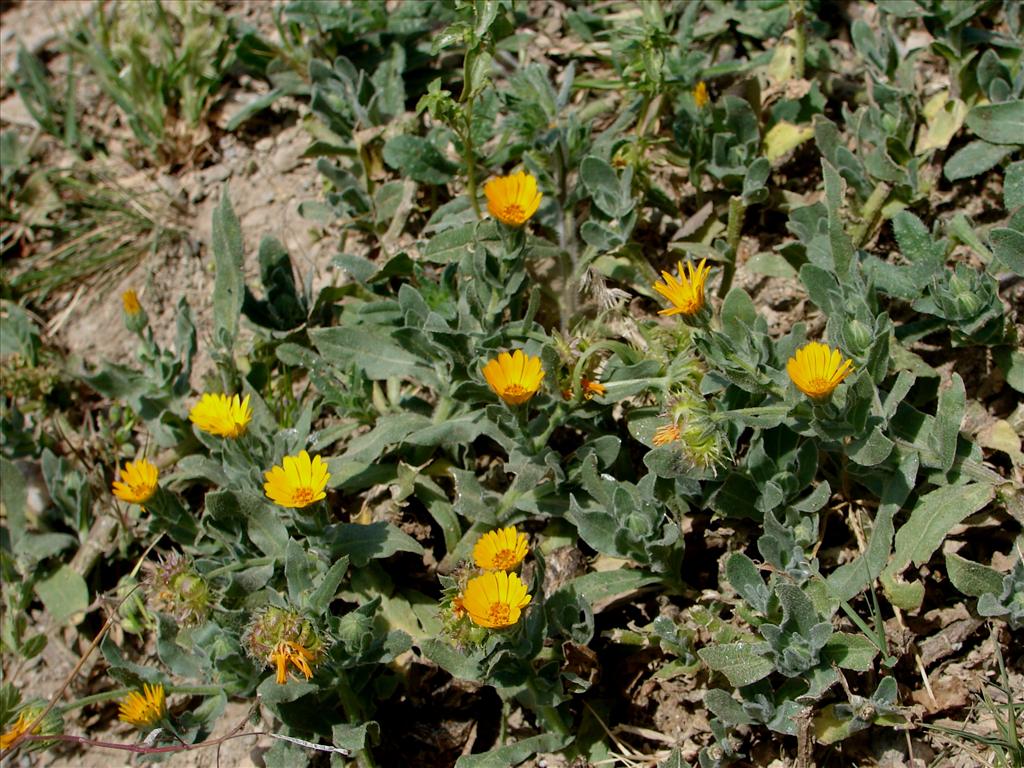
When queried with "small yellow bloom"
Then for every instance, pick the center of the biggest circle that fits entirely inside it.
(221, 415)
(513, 199)
(665, 434)
(495, 599)
(130, 301)
(287, 651)
(25, 718)
(700, 95)
(138, 482)
(687, 293)
(144, 709)
(299, 482)
(817, 370)
(591, 388)
(500, 550)
(514, 378)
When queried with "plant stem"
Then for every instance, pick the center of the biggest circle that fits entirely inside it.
(734, 229)
(800, 37)
(869, 213)
(253, 563)
(353, 713)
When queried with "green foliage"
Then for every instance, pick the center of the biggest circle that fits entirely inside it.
(643, 432)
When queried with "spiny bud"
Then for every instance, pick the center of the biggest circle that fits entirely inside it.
(178, 589)
(278, 636)
(53, 723)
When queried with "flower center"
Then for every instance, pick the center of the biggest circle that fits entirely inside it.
(820, 386)
(504, 559)
(498, 614)
(513, 213)
(302, 496)
(141, 490)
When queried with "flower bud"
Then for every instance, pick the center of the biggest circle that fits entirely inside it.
(177, 588)
(858, 337)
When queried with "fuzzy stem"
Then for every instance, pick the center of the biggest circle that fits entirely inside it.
(734, 229)
(800, 36)
(868, 214)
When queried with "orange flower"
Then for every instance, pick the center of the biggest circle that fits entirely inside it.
(513, 199)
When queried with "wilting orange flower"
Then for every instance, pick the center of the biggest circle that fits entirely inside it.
(500, 550)
(297, 654)
(687, 293)
(299, 482)
(20, 726)
(591, 388)
(514, 378)
(221, 415)
(700, 95)
(144, 709)
(495, 599)
(817, 370)
(513, 199)
(665, 434)
(138, 482)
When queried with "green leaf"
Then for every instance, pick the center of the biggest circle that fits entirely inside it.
(371, 349)
(361, 543)
(738, 315)
(64, 594)
(771, 264)
(451, 661)
(850, 651)
(228, 283)
(1008, 246)
(842, 246)
(675, 759)
(741, 663)
(601, 586)
(1013, 185)
(871, 450)
(320, 600)
(846, 581)
(355, 737)
(932, 518)
(273, 692)
(298, 570)
(418, 159)
(746, 580)
(603, 185)
(946, 429)
(12, 497)
(973, 579)
(513, 754)
(999, 123)
(726, 708)
(974, 159)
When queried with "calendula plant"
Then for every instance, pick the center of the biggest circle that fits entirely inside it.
(662, 359)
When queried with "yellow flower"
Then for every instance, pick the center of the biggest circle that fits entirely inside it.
(512, 200)
(144, 709)
(817, 369)
(591, 388)
(500, 550)
(130, 301)
(495, 599)
(299, 482)
(221, 415)
(687, 293)
(514, 378)
(25, 718)
(299, 656)
(138, 482)
(700, 95)
(665, 434)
